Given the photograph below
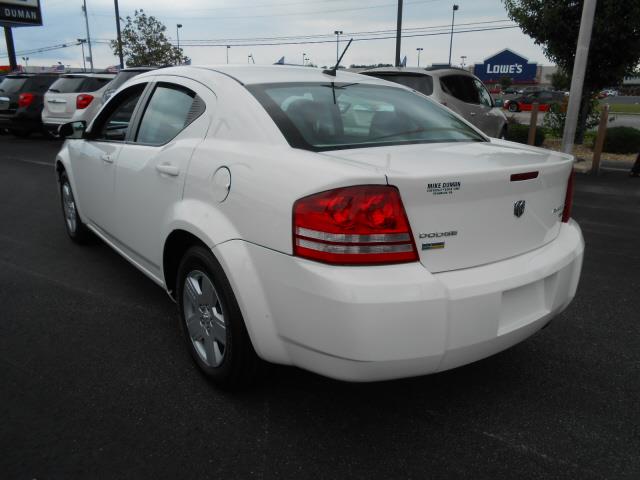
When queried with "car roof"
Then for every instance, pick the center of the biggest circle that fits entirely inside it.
(88, 75)
(140, 69)
(256, 74)
(433, 71)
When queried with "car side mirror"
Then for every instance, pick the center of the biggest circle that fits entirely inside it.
(73, 130)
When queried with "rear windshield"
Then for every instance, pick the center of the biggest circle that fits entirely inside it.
(121, 78)
(419, 82)
(332, 116)
(78, 84)
(11, 85)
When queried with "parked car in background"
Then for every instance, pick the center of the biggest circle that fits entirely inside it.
(525, 103)
(21, 102)
(122, 76)
(458, 89)
(74, 97)
(511, 91)
(608, 93)
(336, 222)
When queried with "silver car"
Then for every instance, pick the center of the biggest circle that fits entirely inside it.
(458, 89)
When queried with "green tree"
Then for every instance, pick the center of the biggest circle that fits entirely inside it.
(560, 80)
(506, 82)
(615, 40)
(144, 43)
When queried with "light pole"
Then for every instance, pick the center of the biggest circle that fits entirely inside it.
(419, 49)
(398, 33)
(228, 47)
(178, 27)
(303, 57)
(337, 34)
(26, 61)
(463, 59)
(86, 21)
(453, 20)
(119, 36)
(82, 41)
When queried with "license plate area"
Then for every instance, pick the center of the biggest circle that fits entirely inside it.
(524, 305)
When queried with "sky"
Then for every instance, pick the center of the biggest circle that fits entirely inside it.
(63, 22)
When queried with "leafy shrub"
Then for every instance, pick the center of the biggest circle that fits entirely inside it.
(622, 140)
(520, 133)
(556, 116)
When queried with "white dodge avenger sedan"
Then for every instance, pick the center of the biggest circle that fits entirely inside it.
(340, 223)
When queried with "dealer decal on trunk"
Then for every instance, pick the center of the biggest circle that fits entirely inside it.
(443, 188)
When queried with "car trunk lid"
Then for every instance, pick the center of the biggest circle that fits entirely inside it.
(473, 203)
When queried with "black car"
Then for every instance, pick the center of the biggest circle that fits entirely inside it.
(122, 76)
(21, 102)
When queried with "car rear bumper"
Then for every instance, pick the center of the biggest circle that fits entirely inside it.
(24, 121)
(383, 322)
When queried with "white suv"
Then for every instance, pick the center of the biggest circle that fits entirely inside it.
(339, 223)
(74, 97)
(458, 89)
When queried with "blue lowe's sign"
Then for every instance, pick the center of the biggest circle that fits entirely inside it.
(506, 64)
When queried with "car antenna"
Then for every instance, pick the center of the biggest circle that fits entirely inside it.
(332, 71)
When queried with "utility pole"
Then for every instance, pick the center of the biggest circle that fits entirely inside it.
(86, 21)
(178, 27)
(82, 41)
(228, 47)
(119, 37)
(453, 20)
(398, 33)
(419, 49)
(337, 34)
(579, 71)
(11, 50)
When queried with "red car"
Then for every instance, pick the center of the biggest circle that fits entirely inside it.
(524, 103)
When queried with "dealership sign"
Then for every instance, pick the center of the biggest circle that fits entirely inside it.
(20, 13)
(506, 64)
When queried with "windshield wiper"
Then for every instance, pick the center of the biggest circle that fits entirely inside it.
(54, 90)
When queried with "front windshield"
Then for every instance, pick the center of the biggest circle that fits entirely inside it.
(331, 116)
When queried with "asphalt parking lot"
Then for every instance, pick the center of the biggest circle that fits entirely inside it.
(96, 382)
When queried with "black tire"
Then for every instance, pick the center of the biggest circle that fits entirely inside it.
(78, 232)
(513, 107)
(239, 362)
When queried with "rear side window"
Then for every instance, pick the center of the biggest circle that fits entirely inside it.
(461, 87)
(420, 83)
(78, 84)
(11, 85)
(170, 109)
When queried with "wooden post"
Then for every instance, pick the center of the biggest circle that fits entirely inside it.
(533, 123)
(602, 133)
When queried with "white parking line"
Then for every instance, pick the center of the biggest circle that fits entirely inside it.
(35, 162)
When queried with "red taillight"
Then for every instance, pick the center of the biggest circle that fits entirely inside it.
(358, 225)
(83, 101)
(25, 99)
(568, 199)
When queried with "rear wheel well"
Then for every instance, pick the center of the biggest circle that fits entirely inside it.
(178, 242)
(59, 169)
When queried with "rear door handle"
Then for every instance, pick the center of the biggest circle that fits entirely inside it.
(106, 158)
(168, 169)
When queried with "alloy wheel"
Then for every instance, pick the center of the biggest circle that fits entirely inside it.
(204, 315)
(69, 206)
